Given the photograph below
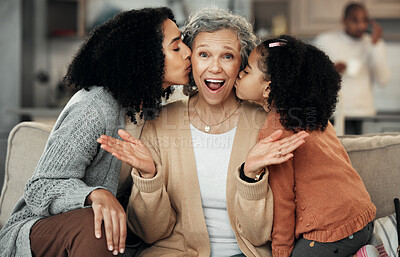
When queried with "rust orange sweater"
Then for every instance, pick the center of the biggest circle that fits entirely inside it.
(317, 193)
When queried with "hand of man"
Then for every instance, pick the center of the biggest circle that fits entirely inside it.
(340, 67)
(377, 32)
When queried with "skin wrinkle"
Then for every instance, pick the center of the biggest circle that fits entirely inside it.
(215, 59)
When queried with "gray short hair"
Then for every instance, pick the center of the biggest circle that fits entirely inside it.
(215, 19)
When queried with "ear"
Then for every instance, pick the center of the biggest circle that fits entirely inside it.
(267, 89)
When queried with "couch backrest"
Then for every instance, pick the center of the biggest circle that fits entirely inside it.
(26, 142)
(377, 159)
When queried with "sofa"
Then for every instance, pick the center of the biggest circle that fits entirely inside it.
(375, 157)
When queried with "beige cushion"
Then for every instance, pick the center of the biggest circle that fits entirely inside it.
(377, 159)
(25, 146)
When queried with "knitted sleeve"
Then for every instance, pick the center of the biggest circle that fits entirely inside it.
(253, 205)
(149, 212)
(283, 187)
(58, 183)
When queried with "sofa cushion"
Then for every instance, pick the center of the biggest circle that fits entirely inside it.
(377, 159)
(26, 142)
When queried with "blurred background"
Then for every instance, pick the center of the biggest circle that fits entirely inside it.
(39, 37)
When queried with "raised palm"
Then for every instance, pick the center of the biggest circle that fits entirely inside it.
(272, 150)
(130, 150)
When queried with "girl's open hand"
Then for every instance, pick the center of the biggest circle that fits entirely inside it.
(272, 150)
(131, 151)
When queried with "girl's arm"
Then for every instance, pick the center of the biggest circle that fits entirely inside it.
(283, 232)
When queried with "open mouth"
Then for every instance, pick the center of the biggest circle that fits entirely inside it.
(214, 84)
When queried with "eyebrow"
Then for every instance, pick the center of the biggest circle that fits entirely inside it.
(225, 47)
(175, 39)
(230, 48)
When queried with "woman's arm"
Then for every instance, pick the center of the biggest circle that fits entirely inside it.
(253, 205)
(254, 201)
(149, 211)
(57, 185)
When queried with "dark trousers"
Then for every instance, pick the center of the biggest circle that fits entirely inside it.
(68, 234)
(342, 248)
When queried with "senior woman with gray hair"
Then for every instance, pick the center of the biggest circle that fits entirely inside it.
(195, 200)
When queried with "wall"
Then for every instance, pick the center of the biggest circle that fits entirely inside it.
(387, 99)
(53, 55)
(10, 70)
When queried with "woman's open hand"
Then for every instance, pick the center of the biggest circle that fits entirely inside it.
(131, 151)
(272, 150)
(107, 208)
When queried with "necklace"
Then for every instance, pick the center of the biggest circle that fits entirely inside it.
(207, 127)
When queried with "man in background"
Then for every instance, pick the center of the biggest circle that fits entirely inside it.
(359, 54)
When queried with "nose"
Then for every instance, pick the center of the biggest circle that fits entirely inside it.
(215, 66)
(240, 75)
(187, 53)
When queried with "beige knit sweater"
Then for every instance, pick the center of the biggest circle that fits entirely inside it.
(166, 210)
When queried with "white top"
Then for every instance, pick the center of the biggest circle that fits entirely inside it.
(212, 153)
(366, 64)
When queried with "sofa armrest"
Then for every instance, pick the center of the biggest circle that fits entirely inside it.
(26, 142)
(376, 158)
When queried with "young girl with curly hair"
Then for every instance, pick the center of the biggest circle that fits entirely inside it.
(70, 206)
(321, 206)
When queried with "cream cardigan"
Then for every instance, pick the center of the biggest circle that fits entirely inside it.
(166, 211)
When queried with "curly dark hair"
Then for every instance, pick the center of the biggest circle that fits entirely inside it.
(126, 57)
(304, 83)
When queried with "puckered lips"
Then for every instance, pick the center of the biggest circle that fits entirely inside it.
(214, 84)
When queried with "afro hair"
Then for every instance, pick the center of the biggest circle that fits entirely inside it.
(304, 83)
(125, 56)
